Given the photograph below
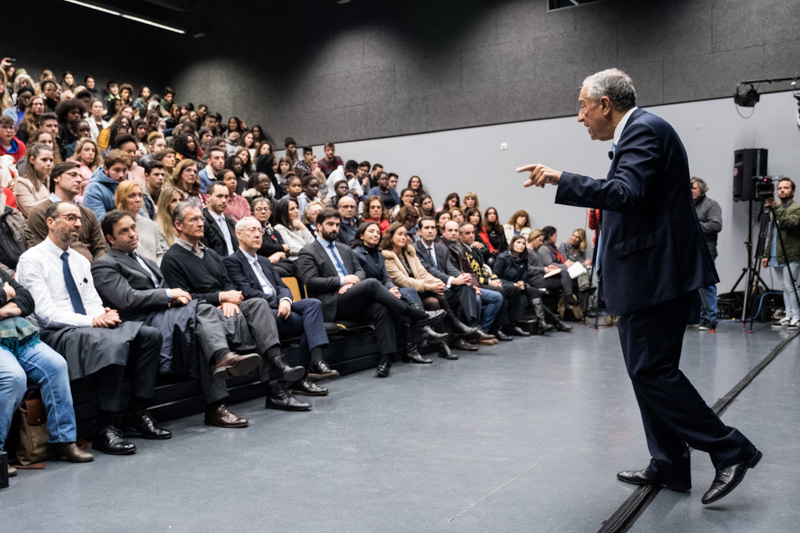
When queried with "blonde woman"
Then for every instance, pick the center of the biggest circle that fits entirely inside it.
(168, 198)
(129, 197)
(34, 186)
(88, 156)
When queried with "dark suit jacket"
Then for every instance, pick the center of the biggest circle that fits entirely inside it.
(651, 248)
(125, 286)
(444, 265)
(212, 235)
(317, 272)
(244, 278)
(373, 269)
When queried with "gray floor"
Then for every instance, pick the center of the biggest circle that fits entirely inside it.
(524, 436)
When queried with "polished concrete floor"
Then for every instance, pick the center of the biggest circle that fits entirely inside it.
(523, 436)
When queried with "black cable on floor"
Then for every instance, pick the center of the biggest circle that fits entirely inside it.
(632, 508)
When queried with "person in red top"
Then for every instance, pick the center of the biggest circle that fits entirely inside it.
(331, 161)
(9, 144)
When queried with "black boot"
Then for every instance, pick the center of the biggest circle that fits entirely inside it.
(560, 326)
(287, 373)
(459, 328)
(538, 311)
(445, 353)
(433, 336)
(413, 355)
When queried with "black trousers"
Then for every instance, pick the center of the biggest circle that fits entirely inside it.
(673, 412)
(560, 282)
(370, 300)
(464, 303)
(142, 364)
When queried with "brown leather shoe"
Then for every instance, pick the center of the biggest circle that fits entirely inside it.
(11, 471)
(223, 418)
(479, 337)
(67, 451)
(232, 364)
(461, 344)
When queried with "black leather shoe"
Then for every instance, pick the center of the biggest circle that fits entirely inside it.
(502, 336)
(433, 336)
(222, 418)
(647, 477)
(445, 353)
(68, 451)
(518, 331)
(282, 399)
(110, 441)
(729, 478)
(320, 370)
(383, 370)
(431, 317)
(561, 326)
(287, 373)
(307, 387)
(461, 344)
(142, 424)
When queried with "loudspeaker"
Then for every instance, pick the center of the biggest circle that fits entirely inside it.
(747, 164)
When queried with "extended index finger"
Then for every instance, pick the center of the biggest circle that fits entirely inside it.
(528, 168)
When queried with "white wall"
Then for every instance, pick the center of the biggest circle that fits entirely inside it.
(471, 160)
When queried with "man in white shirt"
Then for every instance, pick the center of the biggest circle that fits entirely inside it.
(92, 338)
(348, 172)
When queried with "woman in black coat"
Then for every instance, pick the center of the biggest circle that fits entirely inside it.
(272, 246)
(512, 265)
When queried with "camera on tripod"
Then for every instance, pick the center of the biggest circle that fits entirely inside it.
(763, 187)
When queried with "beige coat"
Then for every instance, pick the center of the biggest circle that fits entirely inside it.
(27, 196)
(399, 275)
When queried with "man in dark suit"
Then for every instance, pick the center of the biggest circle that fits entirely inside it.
(652, 257)
(218, 230)
(331, 273)
(135, 287)
(255, 277)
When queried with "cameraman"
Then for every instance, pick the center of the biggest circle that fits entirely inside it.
(785, 249)
(709, 214)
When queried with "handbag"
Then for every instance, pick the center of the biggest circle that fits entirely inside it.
(32, 446)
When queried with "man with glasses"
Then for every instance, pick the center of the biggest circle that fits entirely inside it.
(91, 337)
(349, 225)
(66, 179)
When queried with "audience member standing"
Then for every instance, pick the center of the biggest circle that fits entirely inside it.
(709, 214)
(783, 254)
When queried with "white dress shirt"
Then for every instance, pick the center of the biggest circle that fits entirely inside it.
(40, 270)
(226, 233)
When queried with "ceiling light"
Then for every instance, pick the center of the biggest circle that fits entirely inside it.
(127, 16)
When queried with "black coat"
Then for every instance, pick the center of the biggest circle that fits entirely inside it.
(372, 268)
(213, 237)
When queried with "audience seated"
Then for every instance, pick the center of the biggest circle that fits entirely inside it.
(549, 249)
(213, 169)
(450, 201)
(9, 143)
(168, 198)
(184, 178)
(331, 161)
(218, 230)
(272, 245)
(34, 186)
(310, 215)
(92, 338)
(255, 277)
(99, 195)
(310, 192)
(538, 269)
(65, 183)
(291, 228)
(12, 236)
(238, 207)
(154, 174)
(135, 286)
(349, 226)
(331, 273)
(518, 224)
(492, 234)
(130, 198)
(189, 265)
(574, 251)
(375, 211)
(386, 194)
(36, 362)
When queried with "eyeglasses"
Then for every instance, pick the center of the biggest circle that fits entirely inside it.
(261, 209)
(69, 217)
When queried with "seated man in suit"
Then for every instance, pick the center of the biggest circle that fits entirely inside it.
(461, 296)
(332, 274)
(136, 288)
(218, 229)
(65, 185)
(512, 313)
(255, 277)
(92, 338)
(188, 264)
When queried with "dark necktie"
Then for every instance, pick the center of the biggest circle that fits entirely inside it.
(433, 257)
(613, 151)
(336, 258)
(72, 289)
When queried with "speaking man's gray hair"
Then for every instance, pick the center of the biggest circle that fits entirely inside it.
(614, 84)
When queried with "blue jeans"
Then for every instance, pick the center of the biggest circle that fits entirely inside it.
(789, 299)
(708, 300)
(491, 302)
(44, 367)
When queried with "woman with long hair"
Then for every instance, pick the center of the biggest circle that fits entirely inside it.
(187, 147)
(108, 136)
(259, 186)
(129, 197)
(238, 206)
(39, 137)
(450, 201)
(88, 156)
(272, 245)
(185, 179)
(247, 141)
(426, 206)
(293, 232)
(168, 198)
(470, 202)
(243, 154)
(518, 224)
(234, 124)
(574, 251)
(512, 266)
(259, 136)
(374, 211)
(34, 187)
(415, 184)
(30, 122)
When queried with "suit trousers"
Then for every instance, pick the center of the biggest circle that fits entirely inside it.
(464, 303)
(304, 320)
(371, 299)
(143, 358)
(673, 412)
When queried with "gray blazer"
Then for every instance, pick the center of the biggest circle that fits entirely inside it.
(315, 269)
(125, 286)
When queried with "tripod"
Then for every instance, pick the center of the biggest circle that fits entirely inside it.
(766, 215)
(749, 270)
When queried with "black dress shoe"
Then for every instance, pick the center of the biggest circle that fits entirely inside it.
(518, 331)
(110, 441)
(561, 326)
(648, 477)
(461, 344)
(142, 424)
(431, 317)
(320, 370)
(307, 387)
(383, 370)
(502, 336)
(445, 353)
(222, 418)
(728, 478)
(282, 399)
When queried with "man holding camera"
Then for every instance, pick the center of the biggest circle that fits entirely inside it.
(709, 214)
(783, 249)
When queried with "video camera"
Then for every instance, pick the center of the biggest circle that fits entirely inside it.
(764, 187)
